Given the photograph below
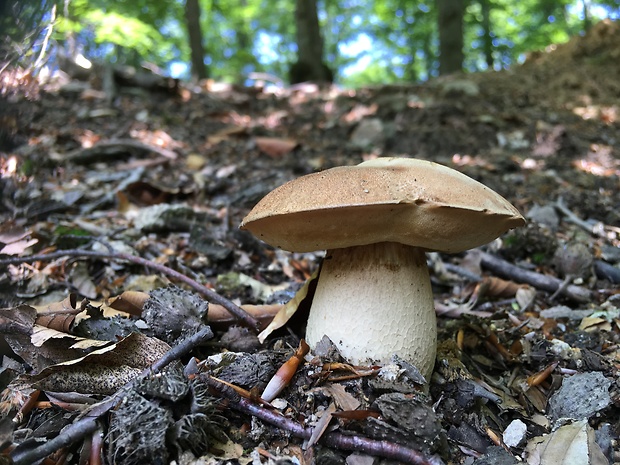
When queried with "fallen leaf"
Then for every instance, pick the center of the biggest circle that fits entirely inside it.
(289, 309)
(105, 370)
(218, 315)
(81, 279)
(18, 247)
(591, 323)
(41, 334)
(496, 287)
(321, 425)
(275, 147)
(342, 398)
(225, 133)
(568, 445)
(131, 302)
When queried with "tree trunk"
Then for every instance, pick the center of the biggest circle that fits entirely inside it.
(450, 26)
(192, 18)
(309, 65)
(487, 38)
(587, 20)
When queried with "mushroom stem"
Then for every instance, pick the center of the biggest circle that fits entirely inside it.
(374, 301)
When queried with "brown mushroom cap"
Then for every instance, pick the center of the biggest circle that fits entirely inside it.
(413, 202)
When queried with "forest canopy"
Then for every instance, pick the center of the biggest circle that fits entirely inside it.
(350, 41)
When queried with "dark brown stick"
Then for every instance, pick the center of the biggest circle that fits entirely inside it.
(337, 440)
(115, 146)
(212, 296)
(540, 281)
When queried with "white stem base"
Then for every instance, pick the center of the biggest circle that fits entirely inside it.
(375, 301)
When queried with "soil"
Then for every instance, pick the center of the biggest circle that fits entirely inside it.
(545, 135)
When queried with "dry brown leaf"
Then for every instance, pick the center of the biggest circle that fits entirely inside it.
(18, 247)
(67, 305)
(15, 239)
(321, 425)
(342, 398)
(58, 321)
(82, 281)
(104, 370)
(525, 297)
(225, 133)
(58, 315)
(11, 232)
(275, 147)
(41, 334)
(496, 287)
(288, 310)
(592, 323)
(218, 315)
(359, 111)
(131, 302)
(18, 320)
(195, 161)
(568, 445)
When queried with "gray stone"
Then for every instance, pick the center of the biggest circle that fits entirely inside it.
(514, 434)
(581, 396)
(368, 133)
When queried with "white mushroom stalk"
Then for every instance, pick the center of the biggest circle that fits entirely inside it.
(376, 219)
(374, 301)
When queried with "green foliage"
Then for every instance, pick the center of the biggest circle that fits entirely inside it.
(397, 38)
(374, 74)
(125, 32)
(23, 24)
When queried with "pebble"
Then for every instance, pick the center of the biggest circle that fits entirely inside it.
(515, 432)
(580, 397)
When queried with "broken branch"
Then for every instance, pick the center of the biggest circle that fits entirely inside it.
(345, 442)
(539, 281)
(208, 293)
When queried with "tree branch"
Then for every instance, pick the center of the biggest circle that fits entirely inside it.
(337, 440)
(212, 296)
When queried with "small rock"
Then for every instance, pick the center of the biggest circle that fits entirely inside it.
(580, 397)
(368, 133)
(514, 140)
(545, 215)
(360, 459)
(562, 311)
(514, 434)
(610, 253)
(165, 217)
(574, 260)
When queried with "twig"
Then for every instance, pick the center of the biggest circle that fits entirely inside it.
(88, 423)
(180, 349)
(208, 293)
(114, 146)
(46, 39)
(572, 218)
(540, 281)
(340, 441)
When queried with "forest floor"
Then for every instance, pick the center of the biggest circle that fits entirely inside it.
(523, 372)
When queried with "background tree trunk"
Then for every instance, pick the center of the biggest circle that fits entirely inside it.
(192, 18)
(487, 37)
(309, 65)
(450, 26)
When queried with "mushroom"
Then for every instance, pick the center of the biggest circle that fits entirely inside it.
(376, 220)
